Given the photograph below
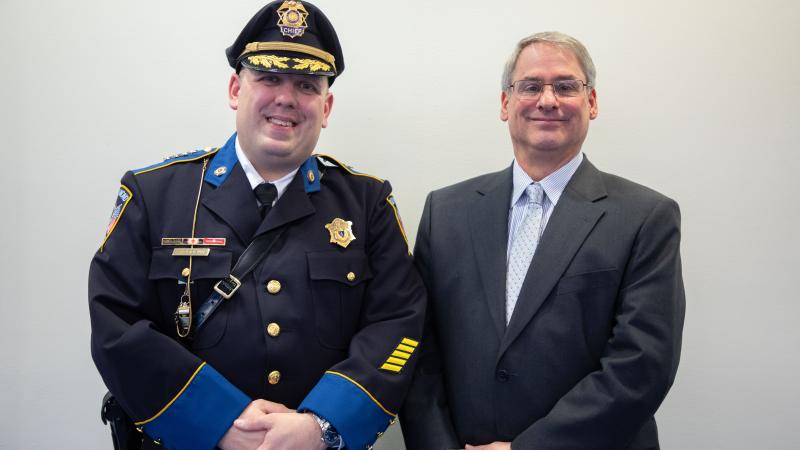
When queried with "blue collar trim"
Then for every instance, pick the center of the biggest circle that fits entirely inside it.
(222, 164)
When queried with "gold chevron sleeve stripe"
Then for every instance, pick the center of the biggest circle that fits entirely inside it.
(391, 367)
(405, 348)
(396, 361)
(399, 354)
(410, 342)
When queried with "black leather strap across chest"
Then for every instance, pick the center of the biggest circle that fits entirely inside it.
(227, 287)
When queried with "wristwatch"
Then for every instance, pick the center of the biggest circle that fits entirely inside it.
(330, 437)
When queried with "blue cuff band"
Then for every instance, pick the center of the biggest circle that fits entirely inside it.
(200, 415)
(355, 414)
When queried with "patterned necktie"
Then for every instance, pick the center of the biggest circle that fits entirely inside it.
(266, 193)
(524, 245)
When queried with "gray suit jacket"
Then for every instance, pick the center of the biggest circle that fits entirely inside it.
(593, 345)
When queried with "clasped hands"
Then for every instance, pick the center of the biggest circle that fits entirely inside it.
(266, 425)
(492, 446)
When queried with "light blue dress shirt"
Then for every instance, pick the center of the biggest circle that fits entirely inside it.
(553, 186)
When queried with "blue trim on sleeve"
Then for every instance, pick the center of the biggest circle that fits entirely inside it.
(349, 408)
(225, 158)
(310, 165)
(201, 415)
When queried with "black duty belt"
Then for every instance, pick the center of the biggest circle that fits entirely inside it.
(227, 287)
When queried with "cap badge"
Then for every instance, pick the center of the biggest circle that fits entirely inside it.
(292, 18)
(341, 232)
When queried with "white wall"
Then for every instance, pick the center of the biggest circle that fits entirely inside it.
(698, 99)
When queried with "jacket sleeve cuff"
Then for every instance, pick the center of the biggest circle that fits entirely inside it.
(354, 412)
(200, 414)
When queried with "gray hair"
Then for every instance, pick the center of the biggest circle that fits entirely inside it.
(557, 39)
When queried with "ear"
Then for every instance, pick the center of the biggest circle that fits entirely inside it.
(326, 109)
(504, 106)
(592, 104)
(233, 91)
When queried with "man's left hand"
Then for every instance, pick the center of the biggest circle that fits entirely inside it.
(288, 431)
(492, 446)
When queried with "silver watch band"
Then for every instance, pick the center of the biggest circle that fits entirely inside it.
(329, 436)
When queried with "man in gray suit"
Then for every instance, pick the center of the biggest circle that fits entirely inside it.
(556, 298)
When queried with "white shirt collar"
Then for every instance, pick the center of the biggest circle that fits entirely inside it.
(553, 184)
(255, 178)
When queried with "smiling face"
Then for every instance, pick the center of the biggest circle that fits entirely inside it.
(278, 117)
(548, 128)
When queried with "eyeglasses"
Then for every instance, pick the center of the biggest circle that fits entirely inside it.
(530, 89)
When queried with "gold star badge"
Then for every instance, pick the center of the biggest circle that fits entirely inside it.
(292, 18)
(341, 232)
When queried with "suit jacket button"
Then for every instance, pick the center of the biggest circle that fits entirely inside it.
(502, 375)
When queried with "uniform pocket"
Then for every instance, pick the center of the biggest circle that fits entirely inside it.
(167, 271)
(588, 281)
(338, 281)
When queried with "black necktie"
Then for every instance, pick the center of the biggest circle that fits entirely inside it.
(266, 193)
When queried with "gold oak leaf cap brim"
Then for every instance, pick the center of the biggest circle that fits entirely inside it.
(264, 47)
(283, 61)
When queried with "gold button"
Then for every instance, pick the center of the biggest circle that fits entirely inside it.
(351, 276)
(274, 377)
(273, 329)
(185, 272)
(274, 286)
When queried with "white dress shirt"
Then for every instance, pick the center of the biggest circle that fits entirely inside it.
(255, 178)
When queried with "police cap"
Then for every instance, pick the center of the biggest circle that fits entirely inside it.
(288, 36)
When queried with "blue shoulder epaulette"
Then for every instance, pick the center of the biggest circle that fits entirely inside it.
(178, 158)
(330, 161)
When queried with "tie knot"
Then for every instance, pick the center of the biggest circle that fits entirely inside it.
(266, 193)
(535, 193)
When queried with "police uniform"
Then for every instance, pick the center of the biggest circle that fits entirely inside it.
(327, 322)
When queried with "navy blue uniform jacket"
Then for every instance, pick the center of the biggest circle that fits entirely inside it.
(349, 318)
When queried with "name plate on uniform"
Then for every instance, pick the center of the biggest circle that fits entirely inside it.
(165, 241)
(183, 251)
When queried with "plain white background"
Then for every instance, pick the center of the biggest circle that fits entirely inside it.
(697, 99)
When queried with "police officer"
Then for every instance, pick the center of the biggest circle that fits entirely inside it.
(306, 339)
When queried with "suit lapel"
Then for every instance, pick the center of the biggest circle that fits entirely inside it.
(570, 223)
(294, 204)
(234, 202)
(489, 227)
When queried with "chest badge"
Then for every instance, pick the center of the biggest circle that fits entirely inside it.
(341, 232)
